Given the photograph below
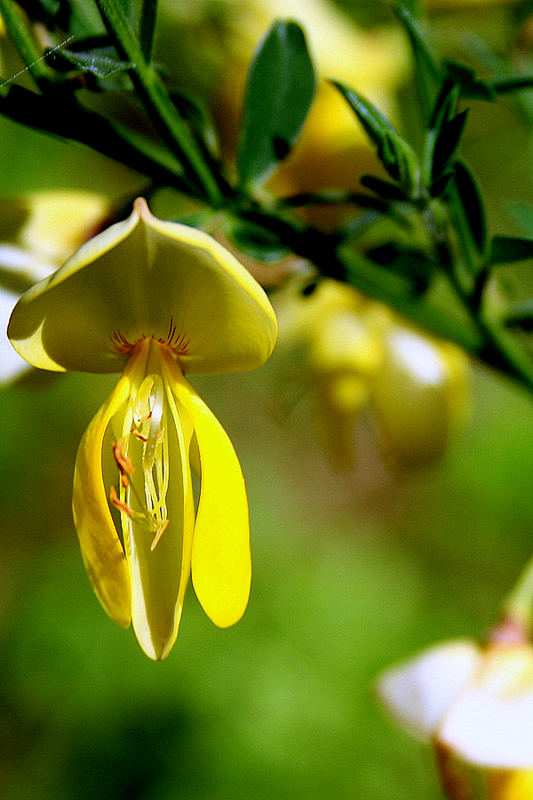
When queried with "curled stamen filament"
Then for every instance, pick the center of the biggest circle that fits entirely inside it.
(146, 421)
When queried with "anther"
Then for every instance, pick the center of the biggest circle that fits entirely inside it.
(119, 504)
(159, 533)
(123, 462)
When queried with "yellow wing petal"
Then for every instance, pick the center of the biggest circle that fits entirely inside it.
(100, 545)
(221, 563)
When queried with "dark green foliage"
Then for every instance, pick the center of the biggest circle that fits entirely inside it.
(395, 154)
(279, 92)
(255, 240)
(506, 249)
(469, 197)
(471, 86)
(95, 56)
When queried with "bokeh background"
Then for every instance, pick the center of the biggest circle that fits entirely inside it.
(351, 572)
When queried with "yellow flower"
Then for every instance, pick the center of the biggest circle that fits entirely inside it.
(476, 706)
(154, 300)
(358, 354)
(38, 231)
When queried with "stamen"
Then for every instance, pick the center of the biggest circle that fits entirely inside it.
(124, 463)
(121, 344)
(156, 415)
(177, 342)
(159, 533)
(146, 421)
(120, 504)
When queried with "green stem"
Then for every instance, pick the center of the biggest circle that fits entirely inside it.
(62, 116)
(162, 112)
(23, 41)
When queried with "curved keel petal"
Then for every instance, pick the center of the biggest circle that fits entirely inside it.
(159, 561)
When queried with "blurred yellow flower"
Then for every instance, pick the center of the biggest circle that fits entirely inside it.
(476, 705)
(359, 355)
(154, 300)
(38, 231)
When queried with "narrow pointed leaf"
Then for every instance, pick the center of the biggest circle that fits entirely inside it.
(385, 189)
(147, 27)
(447, 143)
(506, 249)
(445, 105)
(468, 196)
(395, 154)
(512, 83)
(102, 62)
(279, 92)
(199, 119)
(428, 71)
(439, 185)
(470, 84)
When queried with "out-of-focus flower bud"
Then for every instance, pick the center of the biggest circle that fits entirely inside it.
(476, 706)
(353, 353)
(419, 396)
(344, 354)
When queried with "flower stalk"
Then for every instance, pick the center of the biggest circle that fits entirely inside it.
(158, 104)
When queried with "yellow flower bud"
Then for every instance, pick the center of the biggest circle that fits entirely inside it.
(419, 396)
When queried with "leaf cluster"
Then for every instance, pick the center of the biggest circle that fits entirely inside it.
(416, 224)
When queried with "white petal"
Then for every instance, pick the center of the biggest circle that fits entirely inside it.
(491, 724)
(420, 691)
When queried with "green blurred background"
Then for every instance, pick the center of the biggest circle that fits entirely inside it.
(351, 572)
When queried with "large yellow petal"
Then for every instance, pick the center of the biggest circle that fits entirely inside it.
(221, 562)
(101, 548)
(139, 278)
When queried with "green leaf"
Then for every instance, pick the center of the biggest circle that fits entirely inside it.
(428, 72)
(199, 120)
(41, 10)
(439, 186)
(102, 62)
(255, 241)
(395, 154)
(410, 263)
(471, 86)
(279, 92)
(445, 105)
(512, 83)
(385, 189)
(446, 143)
(147, 27)
(468, 196)
(507, 249)
(520, 315)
